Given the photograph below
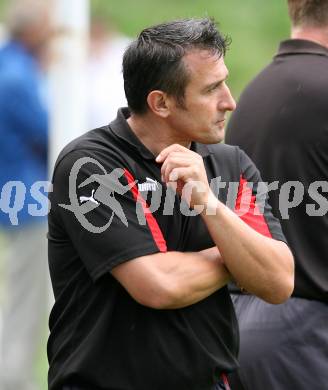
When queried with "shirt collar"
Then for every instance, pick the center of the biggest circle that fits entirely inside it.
(122, 130)
(202, 149)
(301, 46)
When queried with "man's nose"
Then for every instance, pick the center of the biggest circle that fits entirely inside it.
(227, 103)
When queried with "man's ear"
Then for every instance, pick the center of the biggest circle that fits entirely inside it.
(159, 103)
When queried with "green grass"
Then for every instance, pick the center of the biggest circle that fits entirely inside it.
(41, 368)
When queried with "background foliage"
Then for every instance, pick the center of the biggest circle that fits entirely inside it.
(255, 26)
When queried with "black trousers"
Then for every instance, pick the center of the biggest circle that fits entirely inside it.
(282, 347)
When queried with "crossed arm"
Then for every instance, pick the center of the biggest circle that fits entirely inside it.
(261, 265)
(173, 280)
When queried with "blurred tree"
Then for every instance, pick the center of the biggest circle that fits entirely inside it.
(255, 26)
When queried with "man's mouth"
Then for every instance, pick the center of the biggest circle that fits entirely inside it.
(220, 120)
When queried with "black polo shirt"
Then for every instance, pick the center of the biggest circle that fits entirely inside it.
(100, 337)
(281, 122)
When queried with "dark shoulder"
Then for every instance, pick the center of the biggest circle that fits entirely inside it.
(96, 139)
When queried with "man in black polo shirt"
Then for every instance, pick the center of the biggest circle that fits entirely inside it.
(139, 273)
(282, 123)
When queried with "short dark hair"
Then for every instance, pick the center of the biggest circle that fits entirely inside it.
(154, 60)
(312, 13)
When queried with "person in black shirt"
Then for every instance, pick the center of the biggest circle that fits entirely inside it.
(141, 243)
(281, 123)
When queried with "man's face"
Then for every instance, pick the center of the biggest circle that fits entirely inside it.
(207, 99)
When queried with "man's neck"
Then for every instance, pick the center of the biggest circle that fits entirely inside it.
(315, 34)
(154, 133)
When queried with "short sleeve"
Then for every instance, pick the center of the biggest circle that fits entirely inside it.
(98, 208)
(252, 201)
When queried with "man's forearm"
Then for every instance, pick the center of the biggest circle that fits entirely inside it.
(196, 276)
(261, 265)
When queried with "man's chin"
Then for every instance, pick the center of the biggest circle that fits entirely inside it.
(218, 136)
(215, 139)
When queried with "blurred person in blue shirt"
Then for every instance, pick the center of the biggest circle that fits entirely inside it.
(23, 172)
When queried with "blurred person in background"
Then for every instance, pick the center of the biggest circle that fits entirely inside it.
(23, 159)
(281, 122)
(105, 79)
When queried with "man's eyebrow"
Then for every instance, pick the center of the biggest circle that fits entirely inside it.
(216, 83)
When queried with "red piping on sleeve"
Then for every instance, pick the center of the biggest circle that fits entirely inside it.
(248, 210)
(225, 381)
(151, 221)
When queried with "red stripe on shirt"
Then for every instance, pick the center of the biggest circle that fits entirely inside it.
(151, 221)
(225, 381)
(248, 210)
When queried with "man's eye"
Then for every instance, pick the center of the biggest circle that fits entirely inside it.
(214, 88)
